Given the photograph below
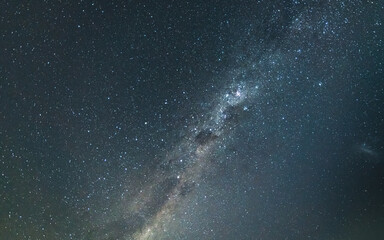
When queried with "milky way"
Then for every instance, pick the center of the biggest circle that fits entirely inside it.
(139, 120)
(181, 175)
(156, 208)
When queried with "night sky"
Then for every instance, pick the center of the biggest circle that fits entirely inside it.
(193, 120)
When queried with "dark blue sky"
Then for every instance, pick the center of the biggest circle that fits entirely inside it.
(191, 120)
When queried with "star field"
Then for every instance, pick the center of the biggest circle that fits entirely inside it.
(191, 120)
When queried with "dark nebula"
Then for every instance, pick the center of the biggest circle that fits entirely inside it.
(205, 136)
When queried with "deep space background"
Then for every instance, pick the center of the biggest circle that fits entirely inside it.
(192, 119)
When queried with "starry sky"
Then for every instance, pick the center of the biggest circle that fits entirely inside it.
(138, 120)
